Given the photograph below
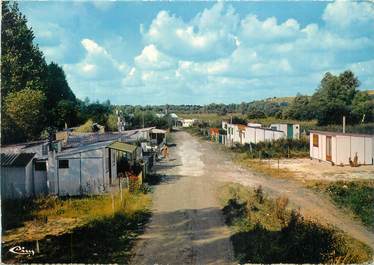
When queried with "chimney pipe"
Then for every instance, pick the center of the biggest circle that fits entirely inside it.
(343, 124)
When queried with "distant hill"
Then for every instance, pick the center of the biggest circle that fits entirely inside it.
(281, 99)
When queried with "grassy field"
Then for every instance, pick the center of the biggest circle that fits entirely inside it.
(102, 228)
(356, 197)
(266, 231)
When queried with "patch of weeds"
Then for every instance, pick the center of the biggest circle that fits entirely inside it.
(268, 232)
(357, 196)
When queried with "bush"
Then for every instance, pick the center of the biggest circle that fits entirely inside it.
(281, 148)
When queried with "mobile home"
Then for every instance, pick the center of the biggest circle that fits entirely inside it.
(341, 148)
(292, 131)
(257, 134)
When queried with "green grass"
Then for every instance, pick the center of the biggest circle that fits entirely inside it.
(357, 196)
(266, 231)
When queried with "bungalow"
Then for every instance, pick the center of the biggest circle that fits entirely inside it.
(17, 178)
(188, 122)
(341, 148)
(255, 134)
(89, 169)
(292, 131)
(157, 137)
(235, 133)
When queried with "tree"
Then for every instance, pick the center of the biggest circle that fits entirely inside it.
(22, 63)
(25, 109)
(111, 123)
(363, 107)
(66, 111)
(333, 99)
(299, 109)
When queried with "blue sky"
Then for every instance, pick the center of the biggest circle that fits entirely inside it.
(203, 52)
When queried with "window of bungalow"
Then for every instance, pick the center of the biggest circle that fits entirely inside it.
(64, 163)
(315, 140)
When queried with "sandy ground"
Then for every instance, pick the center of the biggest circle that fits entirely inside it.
(187, 225)
(307, 169)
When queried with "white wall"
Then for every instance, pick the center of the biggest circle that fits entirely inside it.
(343, 147)
(296, 131)
(358, 146)
(369, 150)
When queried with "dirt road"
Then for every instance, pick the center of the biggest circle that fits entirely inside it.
(187, 225)
(311, 204)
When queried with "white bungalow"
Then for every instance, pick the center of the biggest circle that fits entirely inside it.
(257, 134)
(340, 148)
(188, 122)
(292, 131)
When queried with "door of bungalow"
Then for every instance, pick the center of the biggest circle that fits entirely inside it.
(328, 148)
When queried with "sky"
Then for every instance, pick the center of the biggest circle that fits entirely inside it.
(202, 52)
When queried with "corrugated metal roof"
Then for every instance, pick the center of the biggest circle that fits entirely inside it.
(84, 148)
(16, 160)
(128, 148)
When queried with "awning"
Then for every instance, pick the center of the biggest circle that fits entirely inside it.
(16, 160)
(119, 146)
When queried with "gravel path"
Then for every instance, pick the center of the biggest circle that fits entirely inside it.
(187, 225)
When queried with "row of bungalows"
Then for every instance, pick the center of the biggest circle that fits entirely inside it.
(255, 133)
(340, 148)
(80, 165)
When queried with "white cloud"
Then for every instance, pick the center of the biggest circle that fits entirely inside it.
(97, 63)
(152, 58)
(344, 14)
(254, 30)
(208, 35)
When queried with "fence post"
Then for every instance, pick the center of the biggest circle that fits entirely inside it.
(278, 167)
(120, 188)
(112, 203)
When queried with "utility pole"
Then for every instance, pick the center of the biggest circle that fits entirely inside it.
(143, 119)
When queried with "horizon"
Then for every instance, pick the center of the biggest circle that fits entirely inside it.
(223, 53)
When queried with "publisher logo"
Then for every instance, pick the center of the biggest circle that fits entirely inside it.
(21, 251)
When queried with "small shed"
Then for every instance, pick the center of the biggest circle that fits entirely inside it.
(17, 175)
(340, 148)
(88, 169)
(157, 136)
(292, 131)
